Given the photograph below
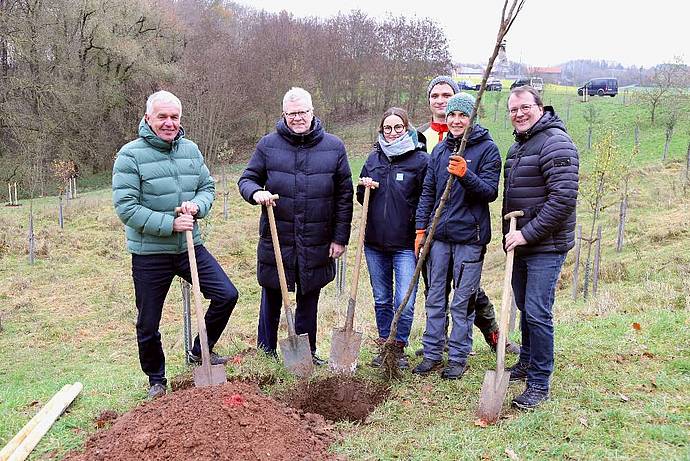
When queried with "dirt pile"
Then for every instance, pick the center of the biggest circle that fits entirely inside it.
(338, 398)
(229, 422)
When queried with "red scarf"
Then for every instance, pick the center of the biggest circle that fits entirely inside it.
(440, 128)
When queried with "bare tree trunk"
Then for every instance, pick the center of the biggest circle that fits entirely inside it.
(595, 218)
(597, 258)
(576, 267)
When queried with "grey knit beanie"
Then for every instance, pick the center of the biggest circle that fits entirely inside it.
(442, 79)
(461, 102)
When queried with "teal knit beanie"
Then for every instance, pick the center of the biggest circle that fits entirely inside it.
(461, 102)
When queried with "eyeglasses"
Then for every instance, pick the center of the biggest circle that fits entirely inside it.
(523, 108)
(293, 115)
(387, 129)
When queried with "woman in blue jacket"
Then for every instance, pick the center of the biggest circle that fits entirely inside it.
(461, 236)
(398, 163)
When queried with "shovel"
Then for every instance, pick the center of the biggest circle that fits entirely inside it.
(345, 342)
(205, 374)
(496, 382)
(295, 348)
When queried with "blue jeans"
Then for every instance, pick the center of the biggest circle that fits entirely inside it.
(384, 266)
(534, 286)
(152, 276)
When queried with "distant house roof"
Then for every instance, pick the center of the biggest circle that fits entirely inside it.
(545, 70)
(467, 70)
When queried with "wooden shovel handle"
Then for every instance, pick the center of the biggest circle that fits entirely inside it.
(281, 269)
(198, 309)
(201, 323)
(354, 283)
(506, 298)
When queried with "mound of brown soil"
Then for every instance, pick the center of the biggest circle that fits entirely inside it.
(338, 398)
(229, 422)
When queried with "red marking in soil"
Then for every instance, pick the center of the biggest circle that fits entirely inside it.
(234, 400)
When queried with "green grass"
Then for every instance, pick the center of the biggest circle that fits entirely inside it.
(618, 393)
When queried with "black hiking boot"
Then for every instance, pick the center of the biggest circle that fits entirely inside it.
(318, 361)
(215, 358)
(427, 366)
(531, 398)
(377, 361)
(518, 372)
(454, 370)
(155, 391)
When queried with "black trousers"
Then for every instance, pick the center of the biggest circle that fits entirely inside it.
(269, 317)
(152, 276)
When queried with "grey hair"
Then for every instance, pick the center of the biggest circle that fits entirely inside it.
(297, 94)
(162, 96)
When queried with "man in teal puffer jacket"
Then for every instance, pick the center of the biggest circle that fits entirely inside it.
(152, 175)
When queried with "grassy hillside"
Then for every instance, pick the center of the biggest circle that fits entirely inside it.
(619, 392)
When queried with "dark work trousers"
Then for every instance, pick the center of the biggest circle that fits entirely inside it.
(152, 276)
(485, 316)
(269, 317)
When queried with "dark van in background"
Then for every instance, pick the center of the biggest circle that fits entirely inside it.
(600, 87)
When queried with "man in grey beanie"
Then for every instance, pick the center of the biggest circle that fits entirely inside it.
(439, 91)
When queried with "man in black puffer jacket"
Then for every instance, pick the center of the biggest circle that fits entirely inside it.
(541, 179)
(308, 169)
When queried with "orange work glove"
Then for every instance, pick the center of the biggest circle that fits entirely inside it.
(418, 239)
(457, 166)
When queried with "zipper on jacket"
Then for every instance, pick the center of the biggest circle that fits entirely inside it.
(176, 172)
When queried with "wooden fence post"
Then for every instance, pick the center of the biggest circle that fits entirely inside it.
(597, 259)
(340, 272)
(622, 213)
(61, 220)
(667, 143)
(32, 241)
(576, 267)
(186, 318)
(589, 137)
(687, 164)
(637, 136)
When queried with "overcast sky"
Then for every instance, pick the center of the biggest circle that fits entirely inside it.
(546, 33)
